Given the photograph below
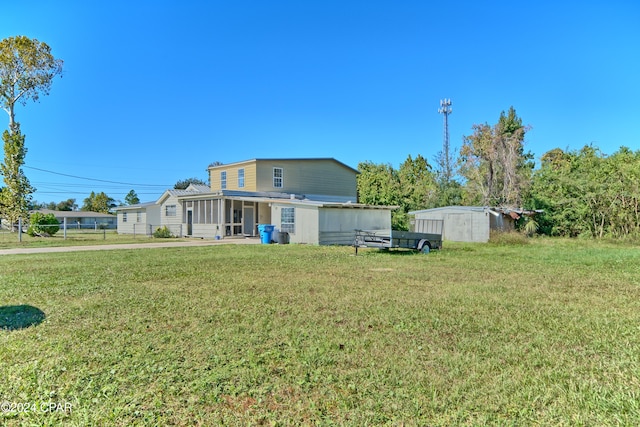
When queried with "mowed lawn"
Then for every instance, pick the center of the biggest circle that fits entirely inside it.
(545, 333)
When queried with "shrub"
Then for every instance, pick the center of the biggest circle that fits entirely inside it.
(162, 233)
(42, 225)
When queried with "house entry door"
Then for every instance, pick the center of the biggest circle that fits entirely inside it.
(189, 222)
(248, 225)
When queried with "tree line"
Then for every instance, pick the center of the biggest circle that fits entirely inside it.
(585, 192)
(95, 202)
(101, 202)
(580, 192)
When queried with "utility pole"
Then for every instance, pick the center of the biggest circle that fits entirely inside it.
(445, 110)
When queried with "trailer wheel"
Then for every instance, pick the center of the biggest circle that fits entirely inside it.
(426, 248)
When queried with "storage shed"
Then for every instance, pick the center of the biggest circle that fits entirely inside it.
(471, 223)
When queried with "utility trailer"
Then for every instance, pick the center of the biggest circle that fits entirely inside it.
(422, 242)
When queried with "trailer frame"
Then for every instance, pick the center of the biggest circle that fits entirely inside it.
(423, 242)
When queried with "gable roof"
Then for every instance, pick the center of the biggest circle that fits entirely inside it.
(191, 190)
(198, 187)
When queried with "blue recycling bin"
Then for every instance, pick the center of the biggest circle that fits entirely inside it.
(265, 231)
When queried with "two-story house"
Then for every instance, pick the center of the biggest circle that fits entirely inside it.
(315, 179)
(314, 200)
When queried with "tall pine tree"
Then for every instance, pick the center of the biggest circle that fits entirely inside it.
(16, 195)
(27, 70)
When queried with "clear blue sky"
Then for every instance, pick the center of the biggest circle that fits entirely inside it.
(154, 91)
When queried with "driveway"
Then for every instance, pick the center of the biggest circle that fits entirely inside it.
(150, 245)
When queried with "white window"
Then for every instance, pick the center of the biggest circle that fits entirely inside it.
(170, 210)
(278, 178)
(124, 217)
(223, 180)
(138, 216)
(288, 220)
(240, 178)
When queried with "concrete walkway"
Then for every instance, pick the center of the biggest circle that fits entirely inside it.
(149, 245)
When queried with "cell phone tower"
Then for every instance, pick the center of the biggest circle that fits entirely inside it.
(445, 110)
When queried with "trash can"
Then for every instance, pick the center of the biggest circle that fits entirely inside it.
(283, 238)
(265, 231)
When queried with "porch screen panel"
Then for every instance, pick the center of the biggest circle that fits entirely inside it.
(202, 216)
(207, 211)
(227, 210)
(215, 215)
(195, 212)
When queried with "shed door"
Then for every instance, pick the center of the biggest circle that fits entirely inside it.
(459, 228)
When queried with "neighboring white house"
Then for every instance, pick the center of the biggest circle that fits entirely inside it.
(264, 191)
(472, 223)
(82, 219)
(139, 218)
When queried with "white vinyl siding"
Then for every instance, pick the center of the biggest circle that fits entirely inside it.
(325, 179)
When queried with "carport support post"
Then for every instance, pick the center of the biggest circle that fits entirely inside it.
(19, 229)
(64, 227)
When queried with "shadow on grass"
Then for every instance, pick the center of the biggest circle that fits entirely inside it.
(15, 317)
(392, 252)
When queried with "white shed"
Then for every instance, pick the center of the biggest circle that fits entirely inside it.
(461, 223)
(473, 223)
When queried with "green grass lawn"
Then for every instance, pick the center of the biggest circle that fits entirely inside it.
(546, 333)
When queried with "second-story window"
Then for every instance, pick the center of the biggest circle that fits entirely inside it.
(223, 180)
(278, 178)
(240, 178)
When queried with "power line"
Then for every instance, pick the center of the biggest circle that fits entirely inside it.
(84, 193)
(43, 185)
(98, 180)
